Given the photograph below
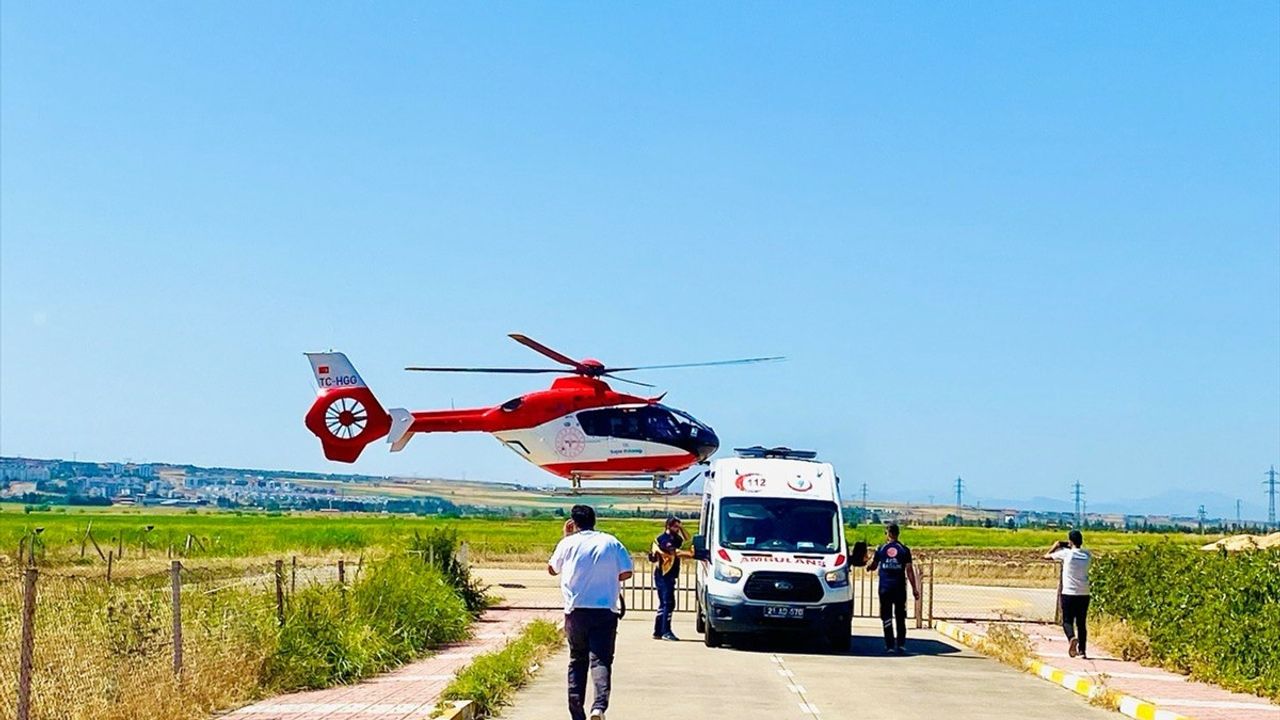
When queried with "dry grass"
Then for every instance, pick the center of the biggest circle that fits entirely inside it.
(105, 653)
(1104, 697)
(1008, 644)
(1121, 639)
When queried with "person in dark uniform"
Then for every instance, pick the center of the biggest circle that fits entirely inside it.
(666, 553)
(893, 561)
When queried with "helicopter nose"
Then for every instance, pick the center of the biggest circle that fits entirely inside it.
(707, 443)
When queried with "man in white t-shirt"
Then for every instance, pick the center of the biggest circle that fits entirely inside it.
(591, 566)
(1075, 590)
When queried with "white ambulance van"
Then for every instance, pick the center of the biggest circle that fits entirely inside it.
(771, 548)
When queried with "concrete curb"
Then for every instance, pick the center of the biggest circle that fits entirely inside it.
(1129, 705)
(461, 710)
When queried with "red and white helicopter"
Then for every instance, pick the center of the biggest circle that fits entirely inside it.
(579, 429)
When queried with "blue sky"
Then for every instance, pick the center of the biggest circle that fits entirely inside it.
(1020, 244)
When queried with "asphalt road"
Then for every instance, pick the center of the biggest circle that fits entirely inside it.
(775, 680)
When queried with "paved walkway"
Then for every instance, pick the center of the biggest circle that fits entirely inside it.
(1166, 690)
(409, 693)
(788, 680)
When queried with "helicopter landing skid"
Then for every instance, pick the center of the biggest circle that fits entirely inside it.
(657, 484)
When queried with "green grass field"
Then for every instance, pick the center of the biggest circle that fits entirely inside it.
(230, 534)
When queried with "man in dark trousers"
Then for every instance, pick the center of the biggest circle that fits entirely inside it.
(1075, 590)
(893, 561)
(666, 554)
(591, 566)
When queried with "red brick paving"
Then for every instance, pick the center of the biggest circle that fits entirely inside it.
(1167, 690)
(408, 693)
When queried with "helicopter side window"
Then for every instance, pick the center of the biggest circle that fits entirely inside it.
(512, 404)
(651, 424)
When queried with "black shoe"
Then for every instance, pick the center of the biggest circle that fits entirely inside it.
(671, 637)
(657, 637)
(901, 650)
(888, 650)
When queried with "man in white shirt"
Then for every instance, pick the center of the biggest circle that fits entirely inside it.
(591, 566)
(1075, 590)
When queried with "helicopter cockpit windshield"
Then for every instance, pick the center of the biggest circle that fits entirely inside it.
(652, 423)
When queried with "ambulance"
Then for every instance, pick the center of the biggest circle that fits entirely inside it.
(771, 549)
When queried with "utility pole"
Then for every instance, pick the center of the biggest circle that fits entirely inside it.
(1270, 482)
(1078, 495)
(1239, 524)
(1200, 518)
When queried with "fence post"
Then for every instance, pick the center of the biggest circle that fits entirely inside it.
(917, 608)
(293, 575)
(1057, 603)
(175, 580)
(111, 557)
(28, 643)
(280, 592)
(342, 572)
(95, 543)
(930, 589)
(22, 550)
(120, 545)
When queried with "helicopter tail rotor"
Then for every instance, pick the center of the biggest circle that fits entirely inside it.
(345, 415)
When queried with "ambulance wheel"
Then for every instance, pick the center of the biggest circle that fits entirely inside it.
(701, 623)
(712, 638)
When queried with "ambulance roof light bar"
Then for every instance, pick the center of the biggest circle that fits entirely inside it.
(786, 453)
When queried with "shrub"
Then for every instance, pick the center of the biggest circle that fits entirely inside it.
(439, 547)
(411, 605)
(1213, 615)
(322, 643)
(400, 609)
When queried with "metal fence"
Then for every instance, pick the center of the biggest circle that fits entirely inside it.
(78, 643)
(943, 596)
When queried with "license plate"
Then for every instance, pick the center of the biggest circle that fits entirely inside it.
(777, 611)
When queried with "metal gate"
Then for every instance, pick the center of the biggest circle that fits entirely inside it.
(526, 585)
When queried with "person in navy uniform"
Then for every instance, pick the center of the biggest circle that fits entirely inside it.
(893, 561)
(666, 553)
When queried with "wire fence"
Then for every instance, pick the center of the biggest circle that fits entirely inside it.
(77, 645)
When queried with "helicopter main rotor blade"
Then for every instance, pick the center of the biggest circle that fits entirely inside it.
(519, 371)
(633, 382)
(743, 361)
(544, 350)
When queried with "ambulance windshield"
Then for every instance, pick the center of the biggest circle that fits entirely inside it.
(779, 525)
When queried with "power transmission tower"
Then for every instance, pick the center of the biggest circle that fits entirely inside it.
(1239, 524)
(1200, 519)
(1270, 482)
(1077, 492)
(864, 501)
(959, 497)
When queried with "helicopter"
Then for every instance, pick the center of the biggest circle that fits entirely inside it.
(579, 429)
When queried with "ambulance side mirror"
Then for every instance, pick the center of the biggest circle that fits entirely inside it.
(700, 548)
(858, 558)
